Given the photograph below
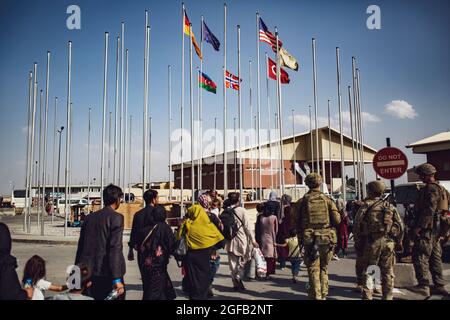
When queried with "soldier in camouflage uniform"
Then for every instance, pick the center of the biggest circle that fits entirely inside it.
(316, 220)
(359, 251)
(379, 226)
(430, 210)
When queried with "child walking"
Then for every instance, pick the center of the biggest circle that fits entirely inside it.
(34, 276)
(294, 253)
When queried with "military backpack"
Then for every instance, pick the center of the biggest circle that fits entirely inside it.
(316, 208)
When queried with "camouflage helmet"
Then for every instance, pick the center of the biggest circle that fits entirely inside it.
(425, 169)
(313, 180)
(376, 187)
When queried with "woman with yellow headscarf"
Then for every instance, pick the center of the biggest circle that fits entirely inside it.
(202, 236)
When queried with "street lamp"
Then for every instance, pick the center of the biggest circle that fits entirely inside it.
(59, 166)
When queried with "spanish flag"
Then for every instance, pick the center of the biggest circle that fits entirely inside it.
(187, 31)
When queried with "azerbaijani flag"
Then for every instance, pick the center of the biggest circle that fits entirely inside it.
(207, 84)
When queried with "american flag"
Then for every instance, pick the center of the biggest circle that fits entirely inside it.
(231, 81)
(266, 36)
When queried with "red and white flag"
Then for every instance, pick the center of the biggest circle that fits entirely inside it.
(272, 72)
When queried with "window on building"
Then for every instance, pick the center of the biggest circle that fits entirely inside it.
(446, 166)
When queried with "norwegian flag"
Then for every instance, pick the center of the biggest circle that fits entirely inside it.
(266, 36)
(231, 81)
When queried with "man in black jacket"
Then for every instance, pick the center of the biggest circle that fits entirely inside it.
(141, 220)
(100, 246)
(10, 288)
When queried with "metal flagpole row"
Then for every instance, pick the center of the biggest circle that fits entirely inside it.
(358, 164)
(116, 115)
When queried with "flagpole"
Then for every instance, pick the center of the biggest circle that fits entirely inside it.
(109, 147)
(280, 112)
(44, 164)
(215, 153)
(33, 125)
(361, 118)
(129, 159)
(150, 152)
(315, 103)
(105, 101)
(182, 108)
(353, 140)
(338, 73)
(27, 175)
(234, 154)
(277, 128)
(329, 149)
(311, 137)
(68, 123)
(225, 156)
(125, 132)
(54, 156)
(251, 125)
(89, 159)
(294, 150)
(121, 124)
(258, 94)
(200, 185)
(39, 170)
(116, 115)
(199, 161)
(191, 107)
(241, 182)
(169, 84)
(145, 109)
(358, 164)
(269, 124)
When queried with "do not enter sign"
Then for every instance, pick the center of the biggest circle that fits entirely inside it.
(390, 163)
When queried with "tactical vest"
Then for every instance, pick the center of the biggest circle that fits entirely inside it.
(315, 211)
(375, 217)
(443, 198)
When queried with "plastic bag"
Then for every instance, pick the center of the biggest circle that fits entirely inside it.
(261, 264)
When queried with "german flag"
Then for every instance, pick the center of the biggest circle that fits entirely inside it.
(187, 31)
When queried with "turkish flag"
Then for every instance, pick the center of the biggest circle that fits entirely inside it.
(272, 72)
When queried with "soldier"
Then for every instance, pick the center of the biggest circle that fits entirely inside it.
(432, 202)
(359, 247)
(316, 218)
(380, 227)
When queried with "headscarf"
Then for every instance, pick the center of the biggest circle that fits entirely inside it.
(5, 240)
(203, 200)
(285, 201)
(272, 196)
(201, 233)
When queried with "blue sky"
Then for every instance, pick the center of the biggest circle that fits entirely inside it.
(408, 59)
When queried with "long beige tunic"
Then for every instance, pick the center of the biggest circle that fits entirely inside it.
(242, 244)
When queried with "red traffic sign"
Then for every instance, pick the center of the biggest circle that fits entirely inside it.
(390, 163)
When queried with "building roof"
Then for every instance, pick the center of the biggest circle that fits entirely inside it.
(437, 138)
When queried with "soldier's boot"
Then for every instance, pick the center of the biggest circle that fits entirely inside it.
(439, 290)
(407, 259)
(388, 296)
(377, 291)
(422, 290)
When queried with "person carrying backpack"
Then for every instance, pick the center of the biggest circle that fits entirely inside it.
(239, 238)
